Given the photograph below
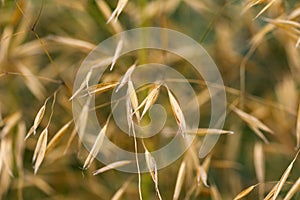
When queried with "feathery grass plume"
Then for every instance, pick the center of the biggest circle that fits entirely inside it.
(152, 167)
(102, 87)
(57, 137)
(294, 189)
(254, 123)
(149, 100)
(120, 6)
(39, 117)
(37, 120)
(126, 76)
(298, 129)
(117, 54)
(245, 192)
(110, 166)
(179, 181)
(40, 150)
(96, 147)
(178, 114)
(273, 194)
(259, 161)
(133, 100)
(41, 146)
(9, 122)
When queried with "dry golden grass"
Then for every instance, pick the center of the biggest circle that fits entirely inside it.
(255, 44)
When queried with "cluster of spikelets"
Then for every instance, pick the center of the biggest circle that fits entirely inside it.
(255, 44)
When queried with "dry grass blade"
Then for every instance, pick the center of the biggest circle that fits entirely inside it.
(254, 123)
(102, 87)
(83, 118)
(70, 140)
(117, 54)
(126, 77)
(40, 150)
(6, 156)
(177, 113)
(37, 120)
(244, 193)
(83, 84)
(133, 100)
(149, 100)
(284, 23)
(215, 194)
(75, 43)
(39, 183)
(57, 137)
(204, 131)
(32, 82)
(259, 161)
(202, 175)
(298, 43)
(5, 41)
(112, 166)
(197, 5)
(96, 148)
(152, 167)
(137, 161)
(10, 122)
(120, 6)
(1, 118)
(295, 188)
(202, 171)
(260, 36)
(250, 4)
(118, 195)
(179, 181)
(298, 129)
(277, 188)
(265, 8)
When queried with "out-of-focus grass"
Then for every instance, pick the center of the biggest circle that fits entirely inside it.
(258, 58)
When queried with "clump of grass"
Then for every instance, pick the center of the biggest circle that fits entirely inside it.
(255, 45)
